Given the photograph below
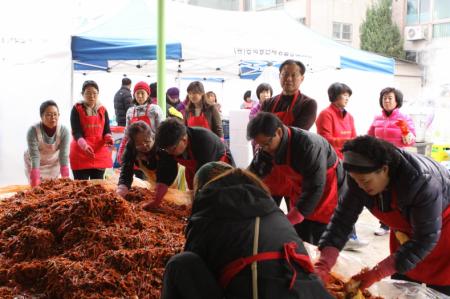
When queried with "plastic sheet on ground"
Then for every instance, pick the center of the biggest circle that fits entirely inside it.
(387, 288)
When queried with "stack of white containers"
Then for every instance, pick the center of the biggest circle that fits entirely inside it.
(240, 147)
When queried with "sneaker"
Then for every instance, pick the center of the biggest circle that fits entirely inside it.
(381, 231)
(355, 244)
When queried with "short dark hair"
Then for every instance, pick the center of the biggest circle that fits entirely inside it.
(45, 105)
(336, 89)
(378, 151)
(263, 87)
(398, 96)
(153, 89)
(211, 93)
(264, 123)
(247, 94)
(170, 132)
(89, 83)
(138, 127)
(126, 81)
(196, 87)
(296, 62)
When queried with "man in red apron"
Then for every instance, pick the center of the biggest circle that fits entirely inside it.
(300, 165)
(408, 192)
(190, 147)
(291, 106)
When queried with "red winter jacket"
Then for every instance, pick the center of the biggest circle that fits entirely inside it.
(336, 126)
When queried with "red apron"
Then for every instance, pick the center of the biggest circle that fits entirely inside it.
(434, 269)
(289, 254)
(92, 127)
(287, 117)
(283, 180)
(191, 165)
(198, 121)
(144, 117)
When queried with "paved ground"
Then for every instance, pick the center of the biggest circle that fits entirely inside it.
(378, 247)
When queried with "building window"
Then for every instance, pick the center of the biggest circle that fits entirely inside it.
(418, 11)
(342, 31)
(441, 30)
(441, 9)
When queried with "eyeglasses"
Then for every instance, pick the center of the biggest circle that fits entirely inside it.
(284, 75)
(267, 143)
(88, 93)
(51, 115)
(144, 145)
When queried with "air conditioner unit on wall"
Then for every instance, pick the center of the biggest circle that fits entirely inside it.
(414, 33)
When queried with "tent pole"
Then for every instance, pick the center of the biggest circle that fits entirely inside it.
(161, 57)
(72, 69)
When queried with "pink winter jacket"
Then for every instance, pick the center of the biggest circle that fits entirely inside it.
(385, 127)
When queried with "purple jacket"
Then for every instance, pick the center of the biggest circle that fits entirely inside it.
(385, 127)
(254, 111)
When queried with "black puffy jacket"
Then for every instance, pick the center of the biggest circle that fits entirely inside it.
(221, 229)
(423, 193)
(311, 156)
(122, 101)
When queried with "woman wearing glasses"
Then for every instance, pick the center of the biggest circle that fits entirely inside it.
(139, 153)
(48, 146)
(392, 126)
(142, 110)
(90, 149)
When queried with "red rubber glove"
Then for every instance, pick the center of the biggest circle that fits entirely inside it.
(108, 140)
(85, 147)
(295, 217)
(160, 191)
(327, 259)
(35, 177)
(383, 269)
(122, 190)
(403, 125)
(122, 146)
(64, 170)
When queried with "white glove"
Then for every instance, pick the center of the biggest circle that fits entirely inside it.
(122, 190)
(408, 139)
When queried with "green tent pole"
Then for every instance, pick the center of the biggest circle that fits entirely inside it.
(161, 57)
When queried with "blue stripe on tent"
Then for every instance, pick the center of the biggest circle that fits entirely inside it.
(89, 49)
(385, 65)
(99, 65)
(217, 80)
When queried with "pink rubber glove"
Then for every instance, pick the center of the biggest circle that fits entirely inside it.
(85, 147)
(35, 177)
(160, 191)
(108, 140)
(295, 217)
(64, 170)
(327, 259)
(383, 269)
(122, 146)
(122, 190)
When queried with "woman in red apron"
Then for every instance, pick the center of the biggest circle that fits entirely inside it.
(190, 147)
(231, 250)
(48, 147)
(201, 114)
(142, 110)
(90, 149)
(301, 166)
(408, 192)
